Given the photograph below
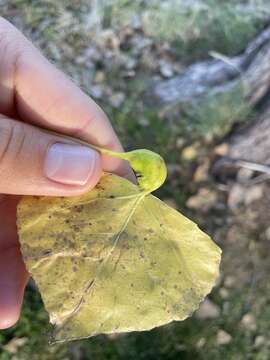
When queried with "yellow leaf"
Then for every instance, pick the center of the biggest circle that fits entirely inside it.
(114, 260)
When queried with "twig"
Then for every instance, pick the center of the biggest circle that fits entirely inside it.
(258, 179)
(253, 166)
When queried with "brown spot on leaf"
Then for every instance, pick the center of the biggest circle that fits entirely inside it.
(76, 228)
(46, 252)
(99, 187)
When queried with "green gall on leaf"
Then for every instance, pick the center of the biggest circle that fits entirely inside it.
(149, 167)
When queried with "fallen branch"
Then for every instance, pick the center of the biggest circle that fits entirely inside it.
(251, 68)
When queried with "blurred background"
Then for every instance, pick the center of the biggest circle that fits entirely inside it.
(189, 79)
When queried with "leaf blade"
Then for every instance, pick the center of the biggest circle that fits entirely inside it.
(157, 270)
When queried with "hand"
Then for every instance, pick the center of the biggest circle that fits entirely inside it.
(33, 93)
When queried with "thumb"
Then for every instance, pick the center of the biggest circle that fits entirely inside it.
(33, 162)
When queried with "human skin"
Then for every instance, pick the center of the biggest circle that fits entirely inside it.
(33, 95)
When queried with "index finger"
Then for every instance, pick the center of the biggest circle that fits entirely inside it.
(42, 95)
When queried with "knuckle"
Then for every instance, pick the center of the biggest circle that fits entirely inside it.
(12, 138)
(13, 45)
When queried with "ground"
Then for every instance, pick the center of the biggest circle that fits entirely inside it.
(114, 50)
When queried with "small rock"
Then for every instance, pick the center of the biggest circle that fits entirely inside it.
(117, 99)
(200, 344)
(248, 322)
(14, 344)
(221, 149)
(99, 77)
(259, 341)
(166, 69)
(223, 338)
(201, 173)
(179, 142)
(203, 200)
(207, 310)
(253, 193)
(236, 196)
(224, 293)
(189, 153)
(96, 91)
(244, 174)
(143, 122)
(229, 281)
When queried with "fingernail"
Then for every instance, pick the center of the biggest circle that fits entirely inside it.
(70, 164)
